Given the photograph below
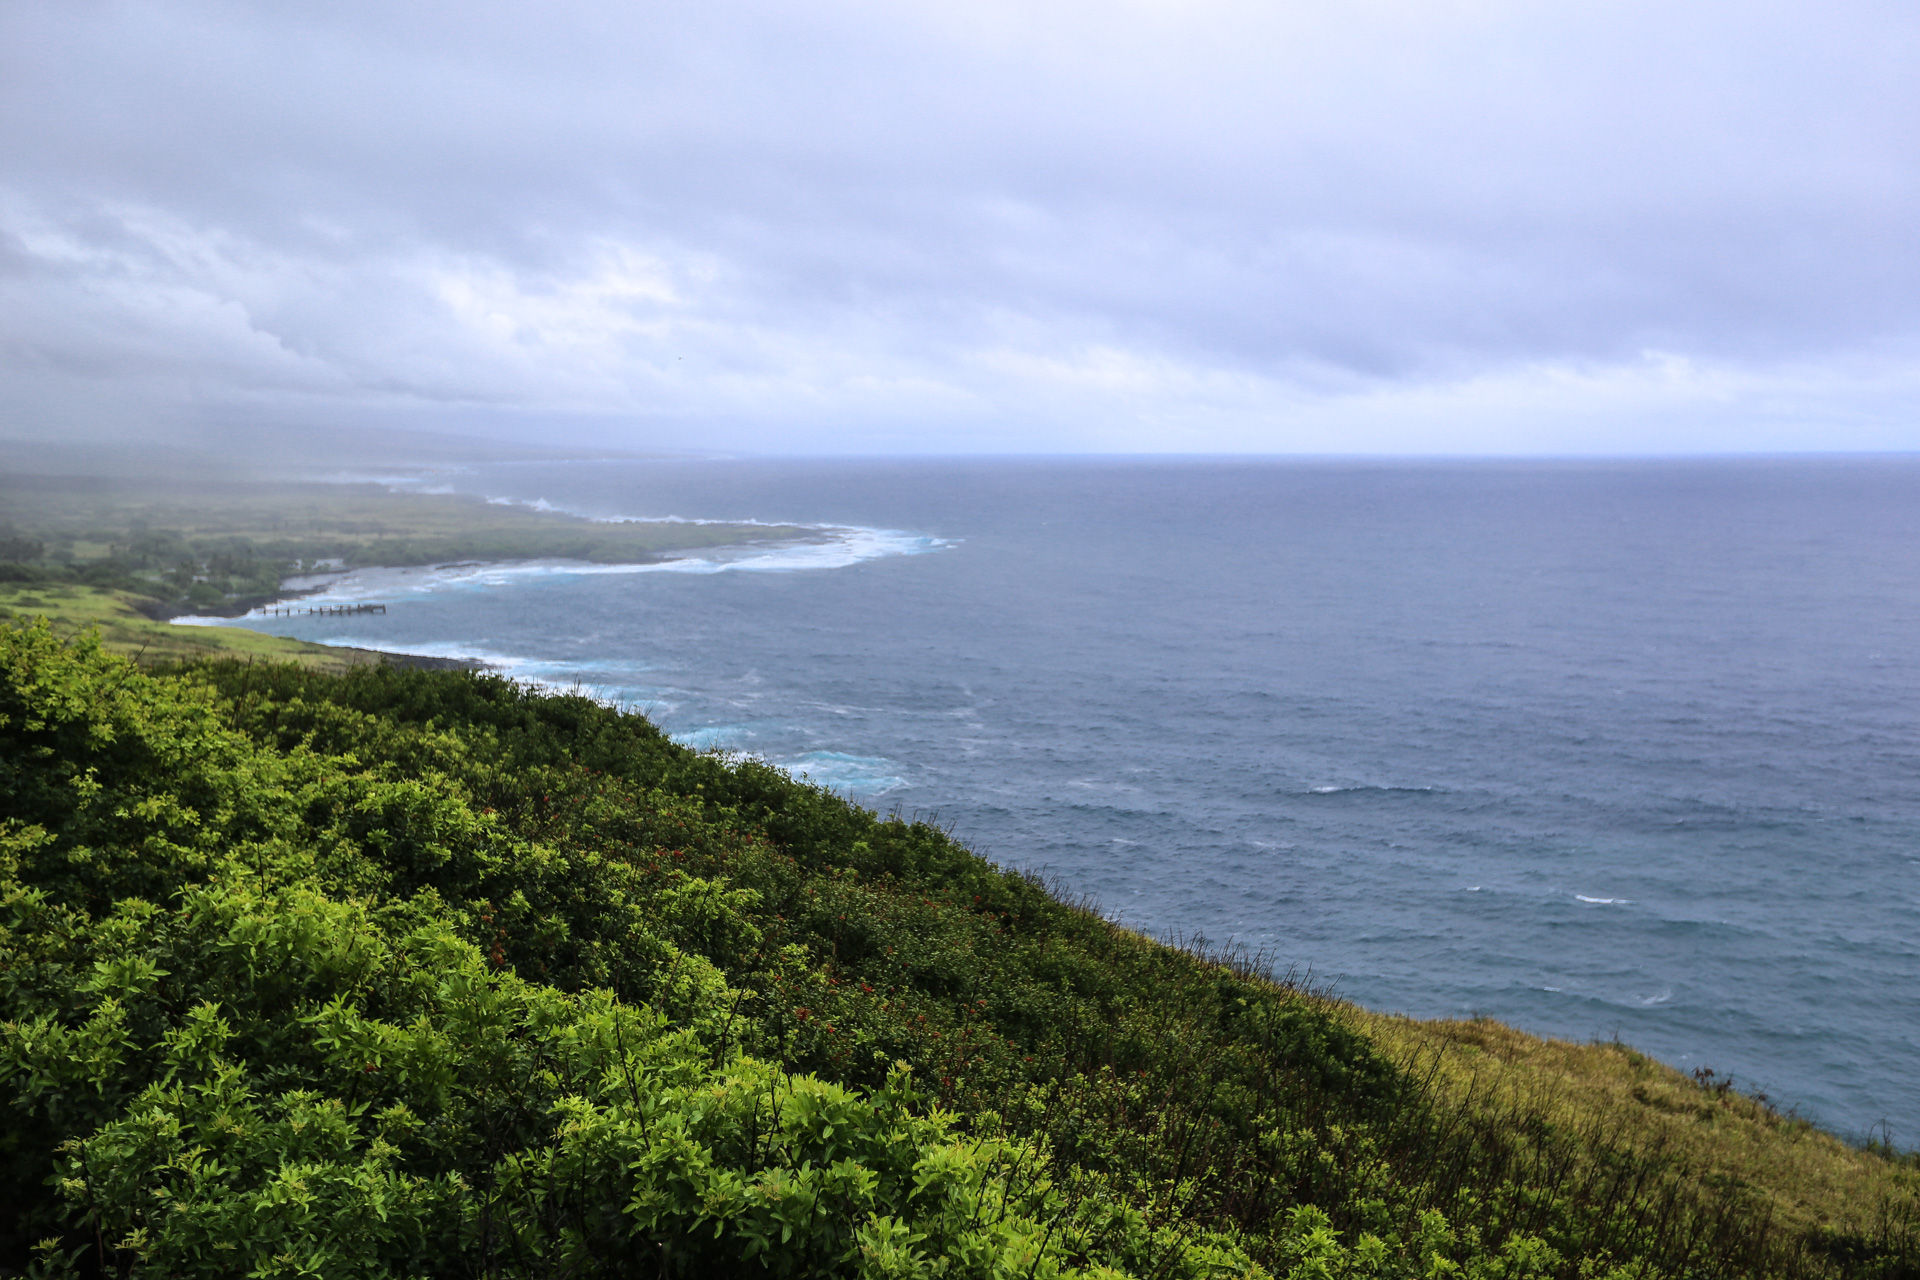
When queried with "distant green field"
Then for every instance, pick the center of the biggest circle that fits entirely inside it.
(91, 553)
(73, 609)
(79, 520)
(221, 547)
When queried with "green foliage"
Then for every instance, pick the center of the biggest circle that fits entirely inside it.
(224, 575)
(415, 973)
(272, 1083)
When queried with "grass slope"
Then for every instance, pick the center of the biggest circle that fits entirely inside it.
(72, 609)
(1808, 1184)
(423, 973)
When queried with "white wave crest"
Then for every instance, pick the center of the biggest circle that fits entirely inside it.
(542, 504)
(849, 774)
(837, 549)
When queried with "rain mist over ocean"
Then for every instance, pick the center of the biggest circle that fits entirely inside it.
(1596, 748)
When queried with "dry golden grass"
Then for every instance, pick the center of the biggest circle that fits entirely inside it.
(1804, 1179)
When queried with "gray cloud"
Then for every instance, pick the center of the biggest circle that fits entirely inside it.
(1125, 225)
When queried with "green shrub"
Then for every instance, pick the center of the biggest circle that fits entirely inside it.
(269, 1083)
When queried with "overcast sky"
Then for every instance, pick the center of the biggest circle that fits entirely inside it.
(1053, 225)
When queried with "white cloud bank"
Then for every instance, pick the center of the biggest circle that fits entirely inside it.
(1469, 226)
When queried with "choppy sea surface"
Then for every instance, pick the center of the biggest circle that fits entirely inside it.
(1597, 748)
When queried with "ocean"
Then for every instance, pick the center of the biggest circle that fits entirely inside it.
(1598, 748)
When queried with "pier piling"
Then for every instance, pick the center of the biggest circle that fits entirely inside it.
(279, 611)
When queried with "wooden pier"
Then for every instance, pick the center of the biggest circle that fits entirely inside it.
(333, 610)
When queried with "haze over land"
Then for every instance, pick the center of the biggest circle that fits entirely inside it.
(860, 227)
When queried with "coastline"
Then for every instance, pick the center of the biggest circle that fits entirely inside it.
(133, 559)
(424, 634)
(387, 585)
(426, 662)
(1480, 1074)
(221, 548)
(129, 630)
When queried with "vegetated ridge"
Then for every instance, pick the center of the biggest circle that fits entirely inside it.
(421, 973)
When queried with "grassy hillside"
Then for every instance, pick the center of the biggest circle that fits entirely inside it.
(72, 609)
(422, 973)
(1838, 1202)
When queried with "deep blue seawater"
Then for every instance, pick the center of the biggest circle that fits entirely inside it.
(1596, 748)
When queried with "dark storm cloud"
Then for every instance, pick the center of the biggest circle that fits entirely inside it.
(1470, 225)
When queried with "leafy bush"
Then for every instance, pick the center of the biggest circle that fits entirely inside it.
(269, 1083)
